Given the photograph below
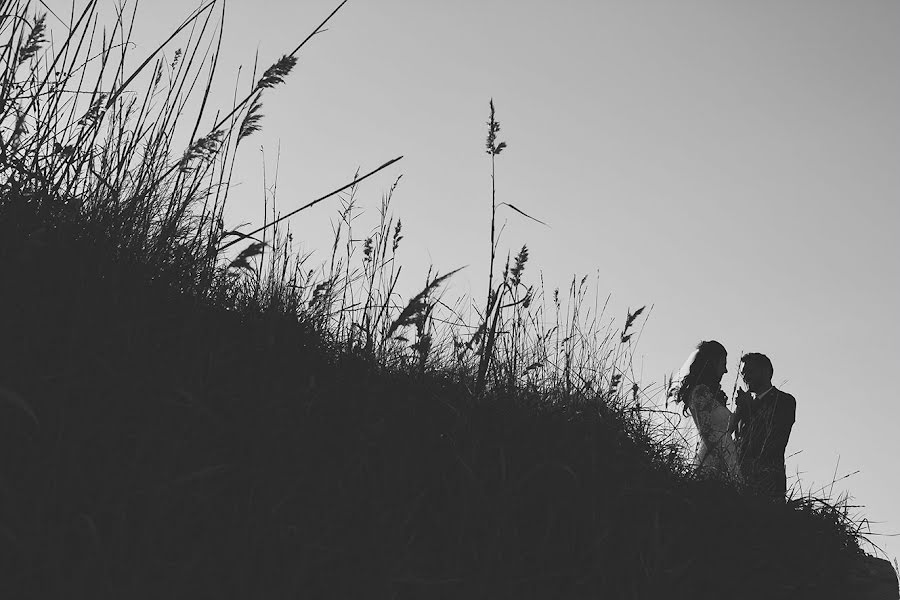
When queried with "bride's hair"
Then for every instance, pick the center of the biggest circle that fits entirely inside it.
(703, 371)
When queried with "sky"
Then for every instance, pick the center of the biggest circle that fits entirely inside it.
(732, 164)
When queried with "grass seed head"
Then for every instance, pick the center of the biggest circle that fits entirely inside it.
(492, 147)
(275, 74)
(34, 42)
(250, 123)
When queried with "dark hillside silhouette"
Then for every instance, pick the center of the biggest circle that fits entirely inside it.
(181, 449)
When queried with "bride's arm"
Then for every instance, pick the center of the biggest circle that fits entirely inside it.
(702, 407)
(714, 422)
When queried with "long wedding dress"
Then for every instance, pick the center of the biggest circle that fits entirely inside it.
(716, 451)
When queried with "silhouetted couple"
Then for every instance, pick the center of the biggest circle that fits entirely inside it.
(747, 445)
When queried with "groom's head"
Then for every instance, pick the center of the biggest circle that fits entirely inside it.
(756, 370)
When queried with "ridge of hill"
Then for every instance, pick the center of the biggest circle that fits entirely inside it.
(159, 446)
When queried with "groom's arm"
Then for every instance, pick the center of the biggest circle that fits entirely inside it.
(782, 423)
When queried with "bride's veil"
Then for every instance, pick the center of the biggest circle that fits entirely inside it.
(678, 380)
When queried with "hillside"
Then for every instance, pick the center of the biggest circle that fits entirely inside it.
(174, 449)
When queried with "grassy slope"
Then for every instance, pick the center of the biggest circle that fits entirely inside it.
(184, 451)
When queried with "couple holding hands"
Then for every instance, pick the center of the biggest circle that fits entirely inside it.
(747, 445)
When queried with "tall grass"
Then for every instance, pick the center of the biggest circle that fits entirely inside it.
(91, 144)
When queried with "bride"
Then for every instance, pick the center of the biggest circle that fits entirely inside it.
(698, 388)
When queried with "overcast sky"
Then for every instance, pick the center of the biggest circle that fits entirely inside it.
(734, 164)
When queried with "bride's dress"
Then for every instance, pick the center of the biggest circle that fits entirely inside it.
(716, 451)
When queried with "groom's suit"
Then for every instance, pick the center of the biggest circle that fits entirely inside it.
(761, 435)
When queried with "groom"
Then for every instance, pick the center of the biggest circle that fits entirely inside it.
(764, 417)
